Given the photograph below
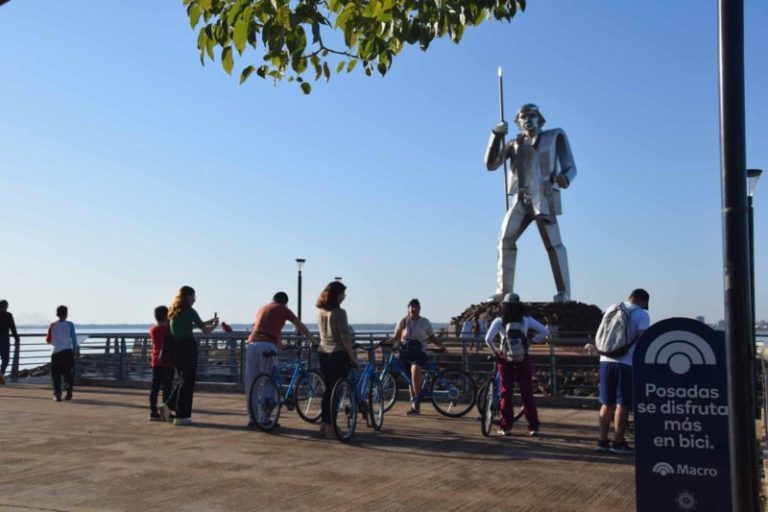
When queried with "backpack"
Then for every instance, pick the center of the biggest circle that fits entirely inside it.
(612, 338)
(513, 343)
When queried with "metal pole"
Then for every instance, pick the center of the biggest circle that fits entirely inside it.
(504, 138)
(752, 333)
(299, 295)
(15, 360)
(738, 311)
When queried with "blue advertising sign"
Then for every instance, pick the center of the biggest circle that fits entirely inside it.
(681, 418)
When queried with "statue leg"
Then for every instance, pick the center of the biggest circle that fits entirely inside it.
(515, 222)
(558, 257)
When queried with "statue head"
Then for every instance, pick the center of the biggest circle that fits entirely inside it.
(529, 119)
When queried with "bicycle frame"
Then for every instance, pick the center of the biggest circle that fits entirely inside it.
(394, 365)
(298, 370)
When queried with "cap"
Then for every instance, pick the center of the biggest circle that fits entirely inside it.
(511, 298)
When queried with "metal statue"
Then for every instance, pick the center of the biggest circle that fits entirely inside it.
(541, 165)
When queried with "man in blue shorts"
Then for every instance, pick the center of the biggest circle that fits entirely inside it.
(616, 378)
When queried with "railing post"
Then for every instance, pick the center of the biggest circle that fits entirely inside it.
(241, 367)
(106, 345)
(15, 360)
(123, 371)
(464, 357)
(78, 370)
(552, 363)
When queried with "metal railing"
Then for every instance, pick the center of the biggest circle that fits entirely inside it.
(560, 369)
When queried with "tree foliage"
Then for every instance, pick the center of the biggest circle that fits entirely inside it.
(299, 40)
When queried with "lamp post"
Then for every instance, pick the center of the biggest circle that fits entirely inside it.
(300, 263)
(753, 176)
(337, 278)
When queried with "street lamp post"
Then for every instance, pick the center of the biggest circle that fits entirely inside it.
(300, 263)
(753, 175)
(337, 278)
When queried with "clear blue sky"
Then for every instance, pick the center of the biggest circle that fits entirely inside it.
(127, 169)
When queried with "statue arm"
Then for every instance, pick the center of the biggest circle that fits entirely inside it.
(494, 156)
(567, 165)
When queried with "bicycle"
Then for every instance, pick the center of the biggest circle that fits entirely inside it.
(267, 395)
(360, 391)
(452, 392)
(490, 396)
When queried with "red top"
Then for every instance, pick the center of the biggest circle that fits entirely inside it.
(158, 333)
(270, 320)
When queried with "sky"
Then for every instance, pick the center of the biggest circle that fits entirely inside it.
(127, 169)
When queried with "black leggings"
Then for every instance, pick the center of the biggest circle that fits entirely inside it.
(63, 365)
(184, 387)
(334, 367)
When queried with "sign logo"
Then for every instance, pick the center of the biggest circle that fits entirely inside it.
(663, 469)
(680, 350)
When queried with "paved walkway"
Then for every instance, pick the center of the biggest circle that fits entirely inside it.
(99, 453)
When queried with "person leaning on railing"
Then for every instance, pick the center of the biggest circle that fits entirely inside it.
(183, 320)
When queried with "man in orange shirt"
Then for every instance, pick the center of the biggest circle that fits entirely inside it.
(265, 337)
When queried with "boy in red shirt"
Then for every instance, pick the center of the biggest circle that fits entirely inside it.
(162, 372)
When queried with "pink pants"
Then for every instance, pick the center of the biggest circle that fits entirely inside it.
(524, 373)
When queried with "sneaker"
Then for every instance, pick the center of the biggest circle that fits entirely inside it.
(603, 445)
(57, 397)
(182, 422)
(622, 448)
(503, 432)
(415, 409)
(164, 412)
(68, 395)
(153, 416)
(2, 380)
(533, 433)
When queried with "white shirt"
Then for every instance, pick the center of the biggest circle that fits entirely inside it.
(419, 329)
(528, 323)
(639, 320)
(466, 330)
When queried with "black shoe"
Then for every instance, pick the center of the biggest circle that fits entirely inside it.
(68, 395)
(57, 397)
(155, 416)
(603, 445)
(622, 448)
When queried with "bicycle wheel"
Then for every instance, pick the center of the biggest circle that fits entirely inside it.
(343, 410)
(481, 396)
(308, 395)
(264, 402)
(376, 403)
(389, 389)
(490, 408)
(453, 393)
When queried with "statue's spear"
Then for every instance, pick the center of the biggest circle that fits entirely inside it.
(503, 137)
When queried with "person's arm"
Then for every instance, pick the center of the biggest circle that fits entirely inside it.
(643, 322)
(48, 337)
(395, 339)
(303, 330)
(341, 329)
(206, 327)
(73, 337)
(431, 338)
(493, 331)
(541, 330)
(13, 327)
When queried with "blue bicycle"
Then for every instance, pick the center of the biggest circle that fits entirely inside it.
(303, 392)
(359, 392)
(452, 392)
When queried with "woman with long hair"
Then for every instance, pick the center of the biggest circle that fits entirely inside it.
(513, 325)
(183, 320)
(336, 348)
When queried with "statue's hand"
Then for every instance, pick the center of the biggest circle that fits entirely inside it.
(501, 129)
(562, 180)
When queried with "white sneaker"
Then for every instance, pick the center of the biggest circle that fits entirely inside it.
(182, 422)
(165, 412)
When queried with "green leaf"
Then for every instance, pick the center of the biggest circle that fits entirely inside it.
(306, 88)
(194, 13)
(226, 59)
(246, 73)
(240, 35)
(340, 66)
(351, 65)
(326, 71)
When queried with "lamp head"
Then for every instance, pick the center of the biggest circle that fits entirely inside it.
(753, 175)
